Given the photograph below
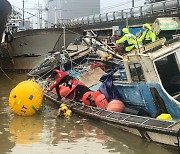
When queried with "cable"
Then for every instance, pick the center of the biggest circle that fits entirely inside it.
(35, 15)
(7, 75)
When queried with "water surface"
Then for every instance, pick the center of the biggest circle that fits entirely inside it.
(47, 134)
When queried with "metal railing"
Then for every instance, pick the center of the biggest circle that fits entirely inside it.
(159, 8)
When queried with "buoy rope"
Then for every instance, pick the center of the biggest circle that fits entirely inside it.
(178, 135)
(7, 75)
(47, 72)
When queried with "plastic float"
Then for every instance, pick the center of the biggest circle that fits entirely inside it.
(26, 98)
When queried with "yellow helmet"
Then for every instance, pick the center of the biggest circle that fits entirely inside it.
(125, 30)
(147, 26)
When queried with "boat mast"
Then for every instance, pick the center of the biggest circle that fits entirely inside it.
(132, 3)
(47, 9)
(23, 14)
(39, 17)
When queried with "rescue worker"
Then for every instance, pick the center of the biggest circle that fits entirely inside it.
(60, 78)
(148, 35)
(128, 40)
(78, 89)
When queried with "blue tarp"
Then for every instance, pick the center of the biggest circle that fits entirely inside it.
(107, 87)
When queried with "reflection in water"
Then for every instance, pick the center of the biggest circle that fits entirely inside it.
(75, 129)
(5, 144)
(45, 133)
(25, 130)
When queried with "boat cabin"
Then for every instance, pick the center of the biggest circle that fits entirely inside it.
(153, 78)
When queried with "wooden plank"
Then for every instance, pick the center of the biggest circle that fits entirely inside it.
(91, 77)
(148, 46)
(158, 123)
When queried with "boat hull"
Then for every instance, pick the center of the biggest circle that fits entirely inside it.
(5, 10)
(29, 48)
(150, 129)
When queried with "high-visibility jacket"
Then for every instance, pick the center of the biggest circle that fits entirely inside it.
(59, 76)
(129, 41)
(148, 35)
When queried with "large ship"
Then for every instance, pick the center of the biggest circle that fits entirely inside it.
(5, 10)
(28, 48)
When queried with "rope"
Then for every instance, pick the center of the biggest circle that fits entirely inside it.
(47, 72)
(7, 75)
(178, 135)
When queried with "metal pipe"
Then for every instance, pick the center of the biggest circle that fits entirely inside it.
(23, 13)
(64, 37)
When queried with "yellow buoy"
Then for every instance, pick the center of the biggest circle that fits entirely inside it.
(26, 98)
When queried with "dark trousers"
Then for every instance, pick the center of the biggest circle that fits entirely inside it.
(78, 92)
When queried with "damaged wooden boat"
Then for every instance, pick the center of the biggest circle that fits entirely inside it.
(152, 84)
(151, 129)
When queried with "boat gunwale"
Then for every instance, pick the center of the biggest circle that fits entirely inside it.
(143, 127)
(44, 31)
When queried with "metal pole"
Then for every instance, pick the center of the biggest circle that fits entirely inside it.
(64, 37)
(55, 17)
(132, 3)
(127, 20)
(23, 13)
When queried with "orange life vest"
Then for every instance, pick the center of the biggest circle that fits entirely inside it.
(59, 76)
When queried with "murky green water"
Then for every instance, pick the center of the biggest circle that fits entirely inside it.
(44, 133)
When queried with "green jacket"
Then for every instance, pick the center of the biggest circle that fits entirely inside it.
(129, 40)
(148, 35)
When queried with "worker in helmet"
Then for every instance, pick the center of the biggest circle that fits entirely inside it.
(148, 35)
(128, 40)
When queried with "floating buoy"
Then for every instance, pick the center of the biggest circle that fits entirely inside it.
(96, 94)
(85, 98)
(26, 98)
(101, 101)
(116, 106)
(64, 111)
(67, 114)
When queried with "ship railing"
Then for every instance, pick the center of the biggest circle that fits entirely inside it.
(148, 10)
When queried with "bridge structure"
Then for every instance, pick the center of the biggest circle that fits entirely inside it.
(135, 16)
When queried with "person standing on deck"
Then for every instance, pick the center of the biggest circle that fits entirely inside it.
(148, 35)
(128, 40)
(60, 77)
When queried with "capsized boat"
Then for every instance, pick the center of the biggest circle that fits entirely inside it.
(150, 129)
(151, 84)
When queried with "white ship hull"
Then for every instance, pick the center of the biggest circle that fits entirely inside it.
(30, 47)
